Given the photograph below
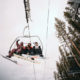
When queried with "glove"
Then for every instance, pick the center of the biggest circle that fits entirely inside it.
(18, 40)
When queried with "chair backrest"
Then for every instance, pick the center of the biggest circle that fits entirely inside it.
(26, 40)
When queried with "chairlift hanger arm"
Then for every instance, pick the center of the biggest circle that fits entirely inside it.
(27, 10)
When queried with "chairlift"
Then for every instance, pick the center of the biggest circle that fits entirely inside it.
(27, 39)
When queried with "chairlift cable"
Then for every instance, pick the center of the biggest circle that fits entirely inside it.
(46, 36)
(47, 25)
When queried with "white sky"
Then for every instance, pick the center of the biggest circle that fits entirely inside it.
(12, 22)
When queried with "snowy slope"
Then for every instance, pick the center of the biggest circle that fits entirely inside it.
(25, 70)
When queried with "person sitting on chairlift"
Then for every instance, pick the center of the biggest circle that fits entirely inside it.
(29, 49)
(17, 50)
(37, 49)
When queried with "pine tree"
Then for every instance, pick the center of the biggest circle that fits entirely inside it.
(69, 65)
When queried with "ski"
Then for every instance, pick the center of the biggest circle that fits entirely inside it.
(27, 58)
(37, 56)
(9, 59)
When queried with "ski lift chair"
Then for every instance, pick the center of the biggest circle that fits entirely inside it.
(26, 40)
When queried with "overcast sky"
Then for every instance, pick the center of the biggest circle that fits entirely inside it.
(12, 19)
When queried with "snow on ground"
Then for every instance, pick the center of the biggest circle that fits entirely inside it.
(25, 70)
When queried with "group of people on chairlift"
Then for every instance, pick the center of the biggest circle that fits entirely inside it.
(28, 49)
